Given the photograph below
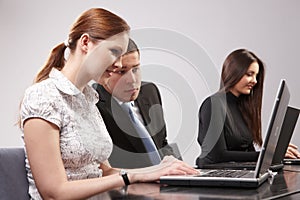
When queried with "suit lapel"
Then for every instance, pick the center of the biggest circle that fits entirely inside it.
(144, 106)
(120, 118)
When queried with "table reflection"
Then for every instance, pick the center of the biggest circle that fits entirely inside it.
(285, 183)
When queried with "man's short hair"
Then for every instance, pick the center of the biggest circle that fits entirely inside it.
(132, 47)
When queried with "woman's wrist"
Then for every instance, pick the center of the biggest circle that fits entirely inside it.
(139, 177)
(125, 177)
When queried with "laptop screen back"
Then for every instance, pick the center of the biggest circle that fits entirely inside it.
(274, 128)
(287, 129)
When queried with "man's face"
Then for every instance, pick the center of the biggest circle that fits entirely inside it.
(124, 83)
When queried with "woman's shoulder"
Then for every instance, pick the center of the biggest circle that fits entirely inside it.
(41, 94)
(217, 100)
(206, 104)
(213, 97)
(43, 88)
(41, 100)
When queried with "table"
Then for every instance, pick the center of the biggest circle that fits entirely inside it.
(286, 185)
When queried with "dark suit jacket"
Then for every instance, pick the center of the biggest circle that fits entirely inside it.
(129, 150)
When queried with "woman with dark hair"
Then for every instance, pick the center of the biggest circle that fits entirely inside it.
(230, 120)
(66, 141)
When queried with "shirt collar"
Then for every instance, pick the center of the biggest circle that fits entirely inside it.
(232, 97)
(63, 84)
(121, 102)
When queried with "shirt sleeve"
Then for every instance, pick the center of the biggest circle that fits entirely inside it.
(40, 102)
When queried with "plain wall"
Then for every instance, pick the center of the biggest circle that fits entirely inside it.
(183, 47)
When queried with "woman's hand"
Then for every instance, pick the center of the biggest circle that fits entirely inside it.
(173, 166)
(292, 152)
(168, 166)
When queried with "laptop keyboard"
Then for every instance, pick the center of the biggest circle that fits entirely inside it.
(225, 173)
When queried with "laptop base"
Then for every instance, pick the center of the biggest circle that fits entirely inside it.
(193, 181)
(287, 161)
(242, 166)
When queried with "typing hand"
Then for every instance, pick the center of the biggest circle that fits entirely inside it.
(168, 166)
(292, 152)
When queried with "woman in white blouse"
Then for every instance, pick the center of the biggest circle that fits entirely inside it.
(67, 144)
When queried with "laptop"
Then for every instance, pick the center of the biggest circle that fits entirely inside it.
(245, 177)
(287, 129)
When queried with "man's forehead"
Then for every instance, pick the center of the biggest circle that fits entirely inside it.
(130, 60)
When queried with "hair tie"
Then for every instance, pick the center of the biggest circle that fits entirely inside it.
(66, 43)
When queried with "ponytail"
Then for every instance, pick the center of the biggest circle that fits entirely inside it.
(97, 22)
(55, 60)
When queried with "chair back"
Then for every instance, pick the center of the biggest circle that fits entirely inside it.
(13, 181)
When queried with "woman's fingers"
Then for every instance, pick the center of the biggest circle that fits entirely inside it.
(292, 152)
(178, 166)
(293, 146)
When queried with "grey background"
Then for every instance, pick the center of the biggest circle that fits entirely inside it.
(30, 29)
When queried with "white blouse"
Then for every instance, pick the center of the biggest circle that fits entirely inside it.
(84, 140)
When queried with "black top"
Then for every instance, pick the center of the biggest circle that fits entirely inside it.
(223, 134)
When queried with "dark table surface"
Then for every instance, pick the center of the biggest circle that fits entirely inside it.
(285, 185)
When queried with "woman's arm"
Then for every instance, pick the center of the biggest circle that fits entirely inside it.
(210, 131)
(168, 166)
(43, 151)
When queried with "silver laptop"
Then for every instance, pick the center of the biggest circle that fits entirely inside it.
(243, 178)
(287, 129)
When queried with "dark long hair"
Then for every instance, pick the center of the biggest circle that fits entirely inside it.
(97, 22)
(234, 68)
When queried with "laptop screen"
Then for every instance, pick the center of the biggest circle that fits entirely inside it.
(274, 128)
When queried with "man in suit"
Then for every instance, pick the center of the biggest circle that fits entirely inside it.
(125, 85)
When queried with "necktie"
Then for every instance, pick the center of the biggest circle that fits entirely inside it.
(143, 133)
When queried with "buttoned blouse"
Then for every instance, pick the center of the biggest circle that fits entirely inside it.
(84, 140)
